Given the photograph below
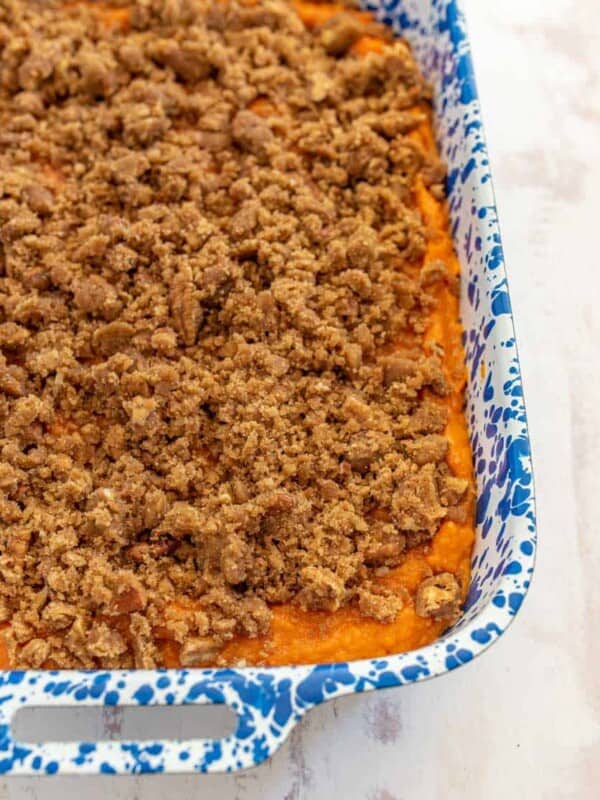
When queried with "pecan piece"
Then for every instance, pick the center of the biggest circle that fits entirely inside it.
(104, 642)
(163, 545)
(35, 652)
(339, 33)
(438, 597)
(111, 338)
(198, 650)
(59, 615)
(185, 308)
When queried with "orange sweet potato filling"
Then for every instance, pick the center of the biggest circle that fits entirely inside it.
(298, 636)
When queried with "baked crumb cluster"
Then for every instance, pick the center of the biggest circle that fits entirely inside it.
(209, 247)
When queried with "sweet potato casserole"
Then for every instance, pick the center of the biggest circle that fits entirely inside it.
(231, 372)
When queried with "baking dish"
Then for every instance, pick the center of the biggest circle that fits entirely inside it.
(269, 702)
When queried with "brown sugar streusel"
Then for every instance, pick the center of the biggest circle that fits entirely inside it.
(209, 252)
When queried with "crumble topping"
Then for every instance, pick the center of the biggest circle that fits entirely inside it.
(208, 248)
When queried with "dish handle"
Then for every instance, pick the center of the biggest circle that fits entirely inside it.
(267, 704)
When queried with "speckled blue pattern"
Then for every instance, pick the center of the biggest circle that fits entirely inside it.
(269, 702)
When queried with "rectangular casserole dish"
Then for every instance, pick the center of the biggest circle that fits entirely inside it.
(269, 701)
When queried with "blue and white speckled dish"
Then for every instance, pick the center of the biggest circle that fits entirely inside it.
(269, 702)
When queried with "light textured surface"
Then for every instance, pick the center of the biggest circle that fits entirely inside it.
(538, 66)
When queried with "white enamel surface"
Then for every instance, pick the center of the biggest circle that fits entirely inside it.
(524, 719)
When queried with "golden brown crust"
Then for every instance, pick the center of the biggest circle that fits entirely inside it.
(194, 290)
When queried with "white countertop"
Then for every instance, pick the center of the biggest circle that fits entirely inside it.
(523, 720)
